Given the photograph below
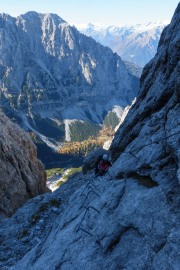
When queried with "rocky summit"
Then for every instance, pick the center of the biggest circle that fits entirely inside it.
(22, 175)
(129, 218)
(52, 76)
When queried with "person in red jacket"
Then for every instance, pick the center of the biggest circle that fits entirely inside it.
(103, 166)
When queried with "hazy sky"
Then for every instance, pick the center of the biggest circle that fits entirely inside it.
(112, 12)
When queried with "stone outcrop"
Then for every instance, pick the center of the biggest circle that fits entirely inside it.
(22, 176)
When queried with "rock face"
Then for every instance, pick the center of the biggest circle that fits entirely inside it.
(136, 43)
(129, 218)
(50, 73)
(154, 115)
(22, 175)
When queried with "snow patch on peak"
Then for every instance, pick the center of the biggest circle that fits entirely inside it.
(140, 28)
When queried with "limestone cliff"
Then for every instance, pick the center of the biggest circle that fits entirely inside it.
(154, 118)
(22, 176)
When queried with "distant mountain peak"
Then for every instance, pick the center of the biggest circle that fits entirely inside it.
(146, 25)
(32, 14)
(135, 43)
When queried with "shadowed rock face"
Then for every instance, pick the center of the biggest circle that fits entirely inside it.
(22, 176)
(156, 113)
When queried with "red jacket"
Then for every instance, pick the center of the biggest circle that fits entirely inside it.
(104, 165)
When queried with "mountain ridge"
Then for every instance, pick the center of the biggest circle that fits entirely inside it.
(50, 73)
(135, 43)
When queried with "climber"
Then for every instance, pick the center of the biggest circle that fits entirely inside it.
(102, 166)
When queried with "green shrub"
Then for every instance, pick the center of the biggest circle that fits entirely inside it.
(59, 183)
(52, 172)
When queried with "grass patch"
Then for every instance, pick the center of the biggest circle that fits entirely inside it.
(55, 171)
(59, 183)
(71, 172)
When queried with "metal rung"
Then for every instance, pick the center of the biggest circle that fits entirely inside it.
(132, 154)
(81, 229)
(86, 196)
(91, 184)
(85, 186)
(93, 192)
(88, 207)
(82, 219)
